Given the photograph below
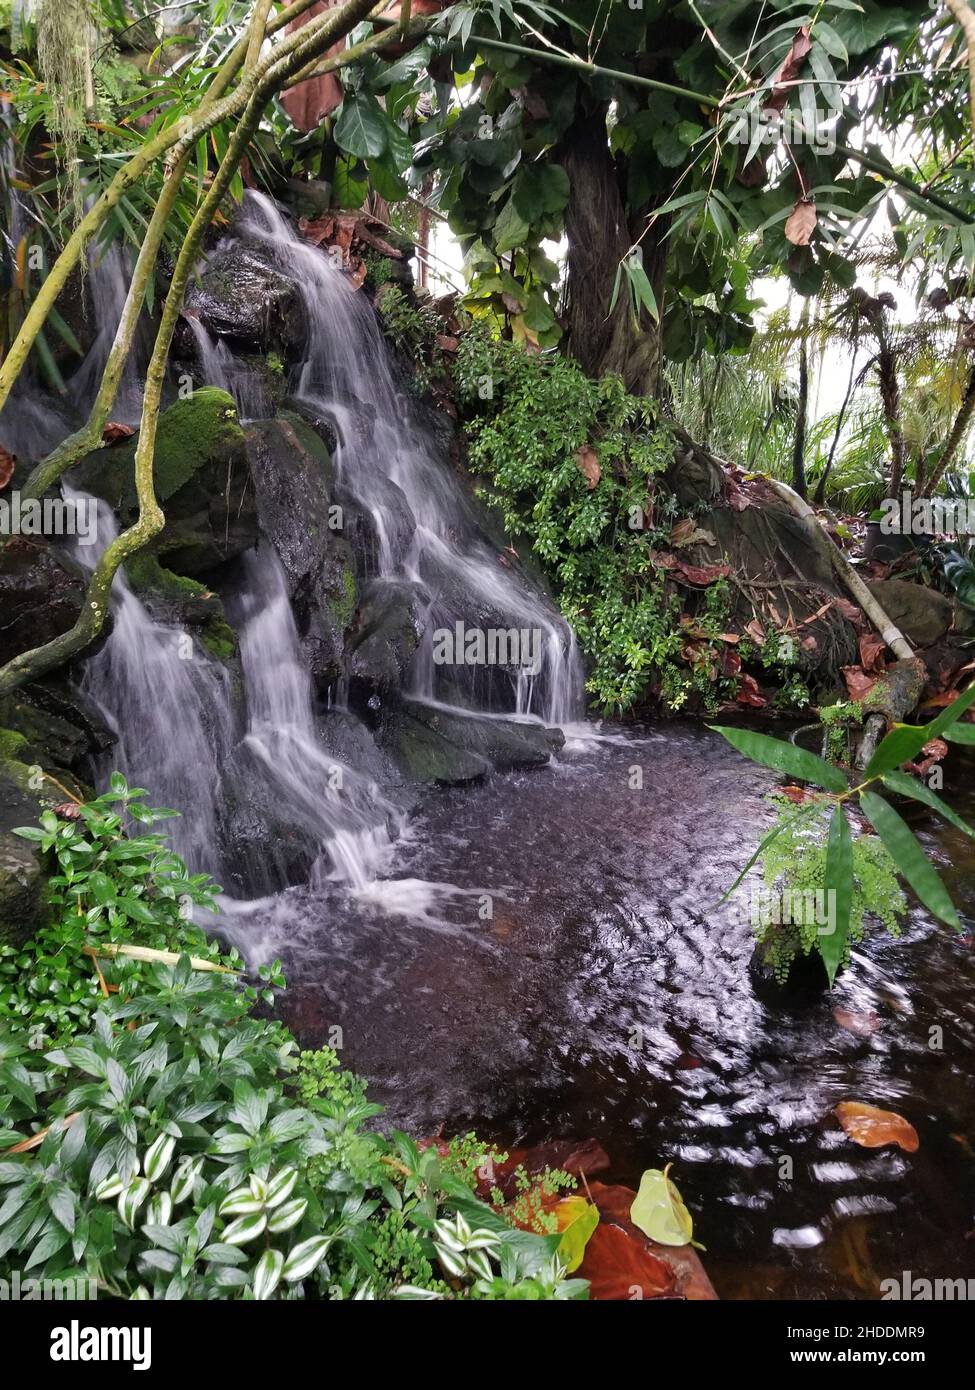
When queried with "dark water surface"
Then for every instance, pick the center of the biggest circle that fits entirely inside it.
(605, 998)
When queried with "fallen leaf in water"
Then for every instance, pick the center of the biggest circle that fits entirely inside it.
(801, 222)
(861, 1024)
(7, 464)
(619, 1269)
(873, 1129)
(798, 795)
(658, 1209)
(587, 462)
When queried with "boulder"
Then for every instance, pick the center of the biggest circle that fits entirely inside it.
(41, 594)
(202, 481)
(243, 297)
(23, 796)
(386, 634)
(431, 744)
(294, 479)
(922, 614)
(423, 755)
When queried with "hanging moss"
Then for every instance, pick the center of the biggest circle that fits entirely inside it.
(64, 33)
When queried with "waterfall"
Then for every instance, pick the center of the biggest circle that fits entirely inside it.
(219, 367)
(427, 533)
(248, 762)
(169, 707)
(345, 812)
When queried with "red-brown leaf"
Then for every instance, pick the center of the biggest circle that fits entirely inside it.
(790, 69)
(750, 695)
(873, 1129)
(858, 683)
(587, 462)
(801, 223)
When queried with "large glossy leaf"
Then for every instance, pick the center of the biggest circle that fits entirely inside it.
(361, 126)
(784, 757)
(839, 892)
(910, 786)
(910, 858)
(961, 733)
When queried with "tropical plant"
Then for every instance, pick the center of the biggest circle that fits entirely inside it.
(847, 869)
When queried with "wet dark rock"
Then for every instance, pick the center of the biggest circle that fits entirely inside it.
(243, 297)
(922, 614)
(435, 745)
(424, 755)
(387, 632)
(41, 594)
(24, 795)
(202, 481)
(294, 478)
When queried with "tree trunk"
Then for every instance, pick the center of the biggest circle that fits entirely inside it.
(802, 412)
(599, 237)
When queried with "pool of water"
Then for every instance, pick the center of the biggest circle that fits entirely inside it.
(571, 976)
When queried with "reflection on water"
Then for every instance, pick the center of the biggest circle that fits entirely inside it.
(603, 997)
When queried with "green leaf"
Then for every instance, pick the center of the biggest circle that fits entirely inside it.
(244, 1229)
(953, 713)
(839, 892)
(576, 1234)
(510, 230)
(901, 745)
(267, 1275)
(659, 1211)
(361, 126)
(919, 791)
(305, 1258)
(909, 858)
(784, 757)
(961, 733)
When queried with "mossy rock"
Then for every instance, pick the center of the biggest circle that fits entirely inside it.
(294, 477)
(425, 756)
(23, 875)
(201, 479)
(176, 598)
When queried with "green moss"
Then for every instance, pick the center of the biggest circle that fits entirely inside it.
(343, 606)
(12, 745)
(192, 432)
(219, 639)
(148, 576)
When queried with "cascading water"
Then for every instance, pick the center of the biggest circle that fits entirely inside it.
(169, 708)
(343, 811)
(427, 533)
(264, 803)
(219, 367)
